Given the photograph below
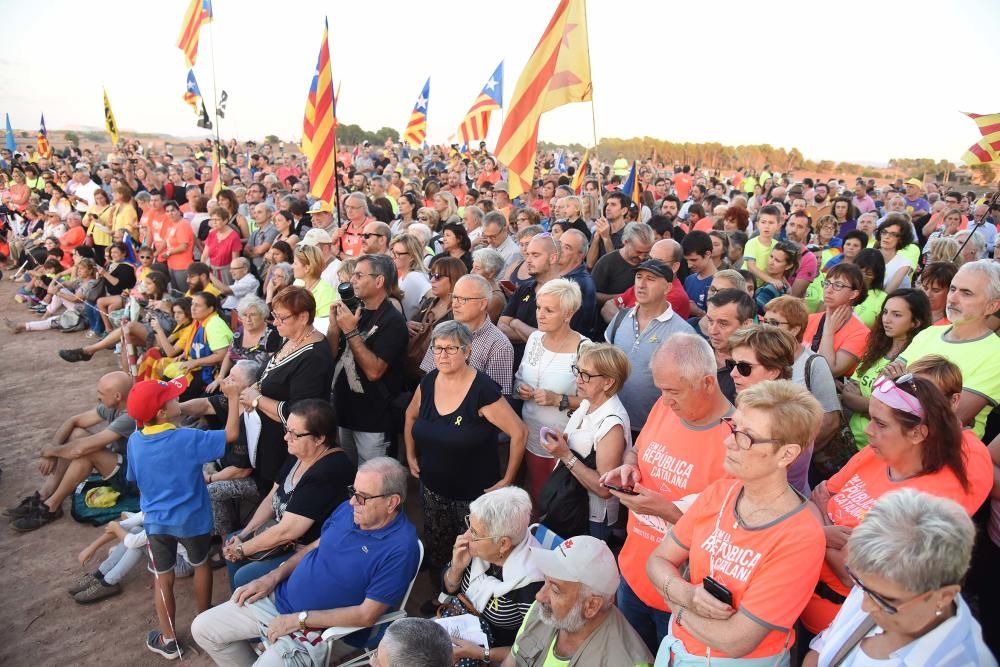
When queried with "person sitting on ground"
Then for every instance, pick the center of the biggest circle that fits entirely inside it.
(491, 574)
(130, 549)
(574, 620)
(166, 464)
(414, 642)
(360, 568)
(73, 300)
(311, 484)
(907, 562)
(79, 448)
(228, 478)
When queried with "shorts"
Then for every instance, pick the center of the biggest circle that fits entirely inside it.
(116, 480)
(163, 549)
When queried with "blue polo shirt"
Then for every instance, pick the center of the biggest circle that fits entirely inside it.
(165, 463)
(351, 565)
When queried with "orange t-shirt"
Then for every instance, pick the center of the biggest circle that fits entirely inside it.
(852, 337)
(706, 224)
(682, 185)
(676, 460)
(756, 564)
(865, 478)
(69, 242)
(175, 234)
(151, 227)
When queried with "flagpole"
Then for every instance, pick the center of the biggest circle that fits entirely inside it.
(593, 115)
(215, 90)
(335, 92)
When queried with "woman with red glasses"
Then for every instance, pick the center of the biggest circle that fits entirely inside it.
(914, 441)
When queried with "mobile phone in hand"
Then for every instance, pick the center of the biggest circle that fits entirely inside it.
(717, 590)
(508, 286)
(620, 489)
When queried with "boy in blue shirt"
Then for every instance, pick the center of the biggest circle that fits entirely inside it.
(166, 464)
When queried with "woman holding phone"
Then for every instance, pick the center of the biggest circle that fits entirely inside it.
(746, 538)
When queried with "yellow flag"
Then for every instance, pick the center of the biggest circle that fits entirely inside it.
(109, 120)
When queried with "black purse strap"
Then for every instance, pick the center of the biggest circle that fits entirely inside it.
(814, 345)
(859, 633)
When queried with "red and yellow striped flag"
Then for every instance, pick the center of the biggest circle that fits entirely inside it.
(581, 173)
(988, 123)
(199, 12)
(983, 151)
(319, 126)
(557, 73)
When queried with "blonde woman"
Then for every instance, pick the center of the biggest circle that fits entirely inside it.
(308, 268)
(545, 380)
(446, 207)
(407, 254)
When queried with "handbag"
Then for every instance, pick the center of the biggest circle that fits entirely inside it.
(563, 504)
(71, 320)
(835, 452)
(457, 605)
(276, 550)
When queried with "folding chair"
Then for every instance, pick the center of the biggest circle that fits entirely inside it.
(378, 628)
(545, 537)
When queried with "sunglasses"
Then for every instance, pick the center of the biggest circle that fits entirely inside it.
(436, 276)
(370, 234)
(744, 368)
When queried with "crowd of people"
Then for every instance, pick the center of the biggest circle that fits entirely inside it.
(735, 418)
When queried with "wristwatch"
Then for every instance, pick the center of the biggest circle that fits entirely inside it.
(564, 403)
(302, 620)
(486, 654)
(255, 402)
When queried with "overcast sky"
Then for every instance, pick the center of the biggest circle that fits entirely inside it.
(858, 80)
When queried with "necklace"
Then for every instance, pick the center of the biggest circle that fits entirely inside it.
(291, 346)
(766, 506)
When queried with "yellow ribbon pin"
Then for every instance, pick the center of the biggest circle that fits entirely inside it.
(458, 421)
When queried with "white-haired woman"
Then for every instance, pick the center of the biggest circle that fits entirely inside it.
(491, 574)
(545, 379)
(753, 545)
(489, 263)
(907, 560)
(253, 340)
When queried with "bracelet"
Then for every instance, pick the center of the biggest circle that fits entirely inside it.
(666, 587)
(571, 462)
(239, 551)
(351, 334)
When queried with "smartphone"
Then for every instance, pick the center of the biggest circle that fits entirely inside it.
(717, 590)
(620, 489)
(508, 286)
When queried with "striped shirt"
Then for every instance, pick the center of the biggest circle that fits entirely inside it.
(491, 353)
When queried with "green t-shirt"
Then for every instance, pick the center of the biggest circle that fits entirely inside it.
(759, 253)
(858, 421)
(979, 361)
(217, 333)
(870, 309)
(814, 294)
(324, 294)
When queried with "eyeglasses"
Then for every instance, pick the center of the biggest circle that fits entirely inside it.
(296, 436)
(743, 439)
(744, 368)
(476, 538)
(368, 235)
(281, 319)
(423, 218)
(773, 322)
(584, 375)
(363, 498)
(880, 600)
(400, 254)
(836, 287)
(450, 350)
(462, 300)
(436, 276)
(358, 275)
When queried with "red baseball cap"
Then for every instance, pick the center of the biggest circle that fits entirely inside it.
(147, 397)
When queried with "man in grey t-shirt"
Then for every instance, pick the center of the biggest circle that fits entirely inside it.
(92, 440)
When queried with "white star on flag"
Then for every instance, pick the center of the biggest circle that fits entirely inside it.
(492, 84)
(421, 102)
(190, 86)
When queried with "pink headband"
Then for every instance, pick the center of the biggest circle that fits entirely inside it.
(887, 391)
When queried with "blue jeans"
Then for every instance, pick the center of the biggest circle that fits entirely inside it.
(600, 529)
(651, 624)
(94, 322)
(244, 571)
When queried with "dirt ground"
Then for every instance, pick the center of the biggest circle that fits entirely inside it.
(39, 623)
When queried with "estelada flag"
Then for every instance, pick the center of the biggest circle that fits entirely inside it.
(557, 73)
(192, 93)
(416, 127)
(44, 149)
(631, 187)
(319, 125)
(476, 124)
(199, 12)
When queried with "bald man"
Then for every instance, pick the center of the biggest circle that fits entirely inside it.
(668, 251)
(91, 440)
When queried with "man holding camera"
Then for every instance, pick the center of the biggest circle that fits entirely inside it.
(368, 338)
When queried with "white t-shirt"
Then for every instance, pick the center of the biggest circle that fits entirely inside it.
(898, 262)
(584, 431)
(414, 286)
(552, 371)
